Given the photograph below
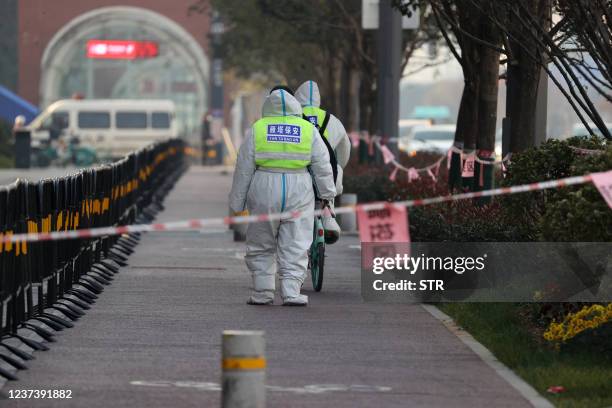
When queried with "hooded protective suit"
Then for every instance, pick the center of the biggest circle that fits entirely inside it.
(270, 190)
(309, 96)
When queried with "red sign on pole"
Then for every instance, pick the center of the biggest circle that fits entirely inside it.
(468, 167)
(383, 233)
(389, 224)
(121, 49)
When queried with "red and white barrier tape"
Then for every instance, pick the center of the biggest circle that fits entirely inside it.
(197, 224)
(432, 169)
(477, 159)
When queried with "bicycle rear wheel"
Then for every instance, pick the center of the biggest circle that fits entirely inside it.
(317, 266)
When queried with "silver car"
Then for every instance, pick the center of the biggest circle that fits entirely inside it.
(435, 138)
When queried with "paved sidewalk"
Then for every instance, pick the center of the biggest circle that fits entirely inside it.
(153, 337)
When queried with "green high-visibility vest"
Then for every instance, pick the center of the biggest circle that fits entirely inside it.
(316, 116)
(283, 142)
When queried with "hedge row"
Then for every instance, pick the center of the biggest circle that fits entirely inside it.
(569, 214)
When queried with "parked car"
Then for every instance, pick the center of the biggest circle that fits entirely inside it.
(435, 138)
(405, 129)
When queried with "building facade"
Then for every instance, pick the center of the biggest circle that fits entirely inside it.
(144, 49)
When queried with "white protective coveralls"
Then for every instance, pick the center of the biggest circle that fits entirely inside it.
(308, 95)
(262, 190)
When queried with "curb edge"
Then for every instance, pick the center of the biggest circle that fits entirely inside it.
(526, 390)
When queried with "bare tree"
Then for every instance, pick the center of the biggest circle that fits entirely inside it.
(577, 47)
(319, 39)
(533, 43)
(590, 22)
(476, 44)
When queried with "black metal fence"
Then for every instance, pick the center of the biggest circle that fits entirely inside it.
(46, 285)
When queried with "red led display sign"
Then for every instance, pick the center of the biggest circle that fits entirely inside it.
(120, 49)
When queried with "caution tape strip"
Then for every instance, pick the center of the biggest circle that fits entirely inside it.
(375, 140)
(197, 224)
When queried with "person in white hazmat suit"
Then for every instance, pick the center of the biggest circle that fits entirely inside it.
(332, 129)
(272, 175)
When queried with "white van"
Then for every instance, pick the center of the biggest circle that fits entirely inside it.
(113, 127)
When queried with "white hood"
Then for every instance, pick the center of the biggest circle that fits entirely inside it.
(308, 94)
(281, 103)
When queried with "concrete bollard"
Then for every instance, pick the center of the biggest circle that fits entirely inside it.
(244, 369)
(348, 222)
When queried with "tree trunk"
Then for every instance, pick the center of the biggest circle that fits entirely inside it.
(354, 112)
(467, 118)
(467, 128)
(367, 108)
(488, 72)
(345, 77)
(331, 103)
(523, 80)
(367, 98)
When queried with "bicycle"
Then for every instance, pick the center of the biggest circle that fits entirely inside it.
(316, 254)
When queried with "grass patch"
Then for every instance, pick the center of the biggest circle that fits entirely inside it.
(585, 373)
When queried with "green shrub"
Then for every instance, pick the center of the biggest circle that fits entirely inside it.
(579, 213)
(369, 182)
(576, 213)
(567, 214)
(461, 221)
(550, 161)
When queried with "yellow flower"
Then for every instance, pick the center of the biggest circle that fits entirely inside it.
(587, 318)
